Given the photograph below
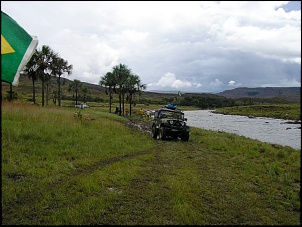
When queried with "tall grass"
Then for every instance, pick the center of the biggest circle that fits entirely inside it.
(61, 169)
(284, 111)
(42, 146)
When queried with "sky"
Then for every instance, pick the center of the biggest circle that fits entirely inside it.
(187, 46)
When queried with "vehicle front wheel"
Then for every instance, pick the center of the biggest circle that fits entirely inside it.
(185, 136)
(162, 133)
(154, 132)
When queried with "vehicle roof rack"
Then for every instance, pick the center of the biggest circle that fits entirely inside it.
(171, 107)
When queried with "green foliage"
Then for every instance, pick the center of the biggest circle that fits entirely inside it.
(207, 101)
(78, 115)
(284, 111)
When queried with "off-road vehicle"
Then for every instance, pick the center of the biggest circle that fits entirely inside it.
(169, 122)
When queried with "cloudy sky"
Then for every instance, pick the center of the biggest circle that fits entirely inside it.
(191, 46)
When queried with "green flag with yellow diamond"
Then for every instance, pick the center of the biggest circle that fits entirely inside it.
(17, 47)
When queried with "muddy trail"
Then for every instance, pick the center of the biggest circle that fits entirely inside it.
(141, 125)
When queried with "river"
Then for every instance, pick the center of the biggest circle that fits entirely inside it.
(275, 131)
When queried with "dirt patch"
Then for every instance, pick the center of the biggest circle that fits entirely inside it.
(140, 125)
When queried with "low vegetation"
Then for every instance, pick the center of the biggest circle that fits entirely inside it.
(67, 166)
(284, 111)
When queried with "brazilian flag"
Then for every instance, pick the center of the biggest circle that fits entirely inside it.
(17, 47)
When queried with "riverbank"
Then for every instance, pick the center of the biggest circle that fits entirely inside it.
(284, 111)
(62, 169)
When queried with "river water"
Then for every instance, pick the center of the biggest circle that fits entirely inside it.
(275, 131)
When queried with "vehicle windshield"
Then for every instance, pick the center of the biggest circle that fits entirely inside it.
(170, 114)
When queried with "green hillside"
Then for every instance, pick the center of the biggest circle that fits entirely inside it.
(292, 94)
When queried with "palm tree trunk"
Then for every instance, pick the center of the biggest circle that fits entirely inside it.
(59, 91)
(34, 91)
(123, 102)
(130, 100)
(10, 92)
(43, 92)
(47, 94)
(110, 101)
(76, 96)
(120, 103)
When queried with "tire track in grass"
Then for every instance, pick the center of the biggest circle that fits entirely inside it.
(147, 199)
(9, 209)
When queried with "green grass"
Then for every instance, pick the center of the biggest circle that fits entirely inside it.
(58, 169)
(284, 111)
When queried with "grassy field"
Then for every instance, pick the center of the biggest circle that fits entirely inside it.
(284, 111)
(91, 169)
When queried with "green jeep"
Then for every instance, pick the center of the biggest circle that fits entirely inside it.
(169, 122)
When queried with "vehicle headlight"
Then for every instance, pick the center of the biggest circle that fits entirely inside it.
(171, 122)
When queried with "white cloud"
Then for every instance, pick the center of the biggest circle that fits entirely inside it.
(232, 83)
(169, 80)
(207, 44)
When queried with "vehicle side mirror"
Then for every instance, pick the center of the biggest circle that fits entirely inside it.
(185, 119)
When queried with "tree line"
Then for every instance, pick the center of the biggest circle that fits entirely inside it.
(123, 82)
(46, 64)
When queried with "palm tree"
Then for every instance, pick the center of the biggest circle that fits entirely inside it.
(61, 67)
(109, 82)
(45, 58)
(31, 71)
(121, 72)
(54, 96)
(75, 86)
(134, 85)
(47, 79)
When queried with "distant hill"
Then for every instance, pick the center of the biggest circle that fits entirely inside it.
(287, 93)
